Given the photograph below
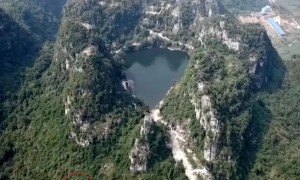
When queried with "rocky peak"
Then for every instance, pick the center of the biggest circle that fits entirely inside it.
(92, 78)
(140, 153)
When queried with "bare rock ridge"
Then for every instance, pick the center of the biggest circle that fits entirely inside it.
(77, 100)
(76, 59)
(141, 151)
(83, 65)
(211, 94)
(204, 27)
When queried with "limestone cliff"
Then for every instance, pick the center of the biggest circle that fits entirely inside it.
(93, 89)
(77, 112)
(212, 103)
(140, 153)
(233, 62)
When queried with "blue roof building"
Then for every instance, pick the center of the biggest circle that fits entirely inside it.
(266, 9)
(276, 27)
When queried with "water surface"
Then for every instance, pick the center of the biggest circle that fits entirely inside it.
(154, 71)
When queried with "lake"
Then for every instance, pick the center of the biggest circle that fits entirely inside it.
(154, 72)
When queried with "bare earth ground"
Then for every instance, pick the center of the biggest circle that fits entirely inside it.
(292, 26)
(287, 14)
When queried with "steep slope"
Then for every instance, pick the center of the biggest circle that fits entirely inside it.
(73, 113)
(55, 7)
(173, 23)
(25, 27)
(237, 6)
(278, 157)
(17, 47)
(221, 114)
(41, 18)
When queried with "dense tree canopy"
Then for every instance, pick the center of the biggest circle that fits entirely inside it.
(63, 107)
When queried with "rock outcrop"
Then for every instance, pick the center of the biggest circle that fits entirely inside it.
(79, 103)
(140, 153)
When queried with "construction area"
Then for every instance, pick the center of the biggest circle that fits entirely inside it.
(283, 28)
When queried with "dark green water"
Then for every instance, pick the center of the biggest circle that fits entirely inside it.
(154, 71)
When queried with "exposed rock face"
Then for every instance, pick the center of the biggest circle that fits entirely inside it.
(220, 32)
(139, 155)
(128, 85)
(211, 125)
(87, 26)
(199, 33)
(183, 17)
(182, 153)
(77, 61)
(91, 79)
(216, 83)
(205, 113)
(90, 51)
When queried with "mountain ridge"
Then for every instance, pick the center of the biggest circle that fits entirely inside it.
(73, 113)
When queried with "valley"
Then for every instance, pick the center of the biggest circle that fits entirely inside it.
(145, 90)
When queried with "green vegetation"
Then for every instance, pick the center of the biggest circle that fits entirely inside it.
(40, 18)
(25, 26)
(72, 93)
(278, 157)
(227, 81)
(238, 6)
(290, 6)
(37, 142)
(17, 49)
(235, 85)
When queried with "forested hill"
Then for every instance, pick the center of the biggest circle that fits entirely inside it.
(17, 48)
(238, 6)
(233, 115)
(55, 7)
(25, 27)
(222, 116)
(278, 155)
(41, 18)
(74, 114)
